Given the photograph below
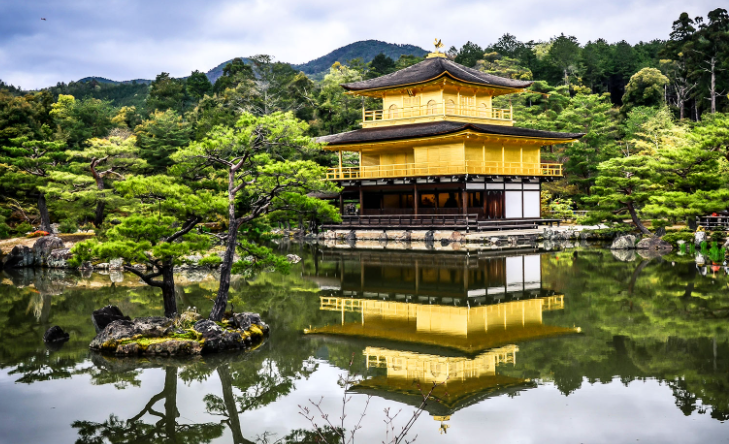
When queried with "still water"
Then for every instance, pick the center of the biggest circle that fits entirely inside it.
(573, 346)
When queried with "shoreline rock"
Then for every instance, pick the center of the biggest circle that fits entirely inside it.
(168, 337)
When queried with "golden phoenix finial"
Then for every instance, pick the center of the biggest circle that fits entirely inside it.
(437, 43)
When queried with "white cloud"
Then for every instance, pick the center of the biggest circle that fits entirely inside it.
(136, 39)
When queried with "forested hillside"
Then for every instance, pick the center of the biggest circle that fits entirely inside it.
(365, 51)
(656, 144)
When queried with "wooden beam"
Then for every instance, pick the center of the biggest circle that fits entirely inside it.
(416, 198)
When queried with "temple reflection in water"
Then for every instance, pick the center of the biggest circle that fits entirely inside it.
(452, 319)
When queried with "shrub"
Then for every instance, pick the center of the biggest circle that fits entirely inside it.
(562, 208)
(23, 228)
(611, 232)
(673, 238)
(4, 230)
(68, 226)
(210, 261)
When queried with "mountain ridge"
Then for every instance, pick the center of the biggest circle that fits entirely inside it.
(363, 49)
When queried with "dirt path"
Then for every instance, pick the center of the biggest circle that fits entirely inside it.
(68, 240)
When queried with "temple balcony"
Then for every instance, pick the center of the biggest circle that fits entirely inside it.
(471, 167)
(431, 112)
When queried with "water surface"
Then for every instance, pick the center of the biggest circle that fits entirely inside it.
(532, 346)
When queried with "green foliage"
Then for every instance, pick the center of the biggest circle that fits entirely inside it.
(496, 64)
(673, 238)
(22, 228)
(646, 88)
(562, 208)
(380, 65)
(80, 120)
(364, 50)
(68, 226)
(166, 93)
(198, 86)
(159, 137)
(82, 184)
(210, 261)
(469, 54)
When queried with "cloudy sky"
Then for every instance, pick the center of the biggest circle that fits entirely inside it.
(127, 39)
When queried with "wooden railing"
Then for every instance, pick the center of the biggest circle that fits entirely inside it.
(446, 168)
(405, 221)
(713, 222)
(437, 109)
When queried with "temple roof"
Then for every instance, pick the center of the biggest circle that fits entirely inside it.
(430, 69)
(438, 128)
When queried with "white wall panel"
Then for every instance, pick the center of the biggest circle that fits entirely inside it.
(513, 204)
(532, 203)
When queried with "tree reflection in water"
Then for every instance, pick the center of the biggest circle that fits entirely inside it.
(659, 318)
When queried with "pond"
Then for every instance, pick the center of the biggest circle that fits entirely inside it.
(573, 345)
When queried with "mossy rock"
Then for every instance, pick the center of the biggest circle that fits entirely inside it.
(164, 337)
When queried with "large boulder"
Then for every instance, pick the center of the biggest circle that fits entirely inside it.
(244, 321)
(116, 264)
(654, 244)
(216, 339)
(106, 315)
(55, 334)
(59, 258)
(626, 242)
(43, 247)
(20, 256)
(122, 330)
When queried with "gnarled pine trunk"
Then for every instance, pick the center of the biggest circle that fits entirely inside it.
(636, 219)
(43, 210)
(221, 300)
(168, 291)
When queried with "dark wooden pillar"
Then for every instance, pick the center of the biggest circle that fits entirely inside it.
(464, 198)
(483, 201)
(416, 199)
(341, 203)
(361, 201)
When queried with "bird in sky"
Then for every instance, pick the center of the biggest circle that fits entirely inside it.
(43, 18)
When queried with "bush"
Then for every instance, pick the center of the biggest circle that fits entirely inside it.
(562, 208)
(612, 232)
(210, 261)
(23, 228)
(4, 231)
(673, 238)
(718, 236)
(68, 226)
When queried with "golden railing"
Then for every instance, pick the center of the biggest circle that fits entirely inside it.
(437, 109)
(445, 168)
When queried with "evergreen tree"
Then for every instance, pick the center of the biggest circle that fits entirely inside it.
(159, 233)
(256, 161)
(380, 66)
(646, 88)
(26, 167)
(623, 185)
(198, 85)
(160, 136)
(469, 54)
(84, 182)
(166, 93)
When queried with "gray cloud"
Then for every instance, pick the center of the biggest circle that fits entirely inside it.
(139, 39)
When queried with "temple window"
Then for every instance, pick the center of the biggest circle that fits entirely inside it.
(432, 107)
(392, 112)
(450, 106)
(483, 110)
